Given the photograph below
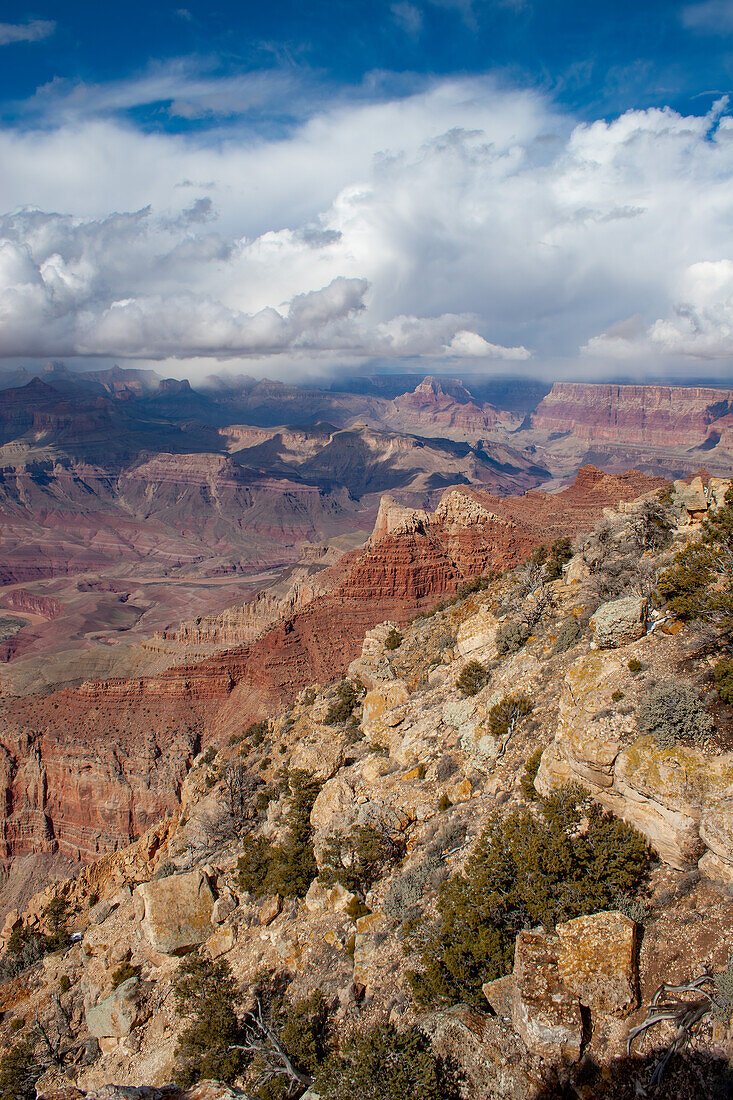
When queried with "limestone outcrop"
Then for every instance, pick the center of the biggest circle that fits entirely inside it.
(176, 912)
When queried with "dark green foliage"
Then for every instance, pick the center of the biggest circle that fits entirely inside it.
(64, 983)
(209, 756)
(617, 696)
(205, 994)
(505, 716)
(525, 870)
(634, 665)
(443, 802)
(256, 733)
(287, 869)
(699, 583)
(385, 1064)
(347, 699)
(393, 639)
(723, 679)
(56, 915)
(569, 634)
(124, 971)
(673, 712)
(302, 1028)
(560, 553)
(472, 678)
(357, 859)
(511, 636)
(530, 774)
(476, 584)
(19, 1071)
(23, 950)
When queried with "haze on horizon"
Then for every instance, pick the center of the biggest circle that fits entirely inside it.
(447, 186)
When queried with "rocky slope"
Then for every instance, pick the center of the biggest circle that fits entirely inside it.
(413, 558)
(428, 761)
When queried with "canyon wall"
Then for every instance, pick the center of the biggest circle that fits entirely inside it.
(665, 416)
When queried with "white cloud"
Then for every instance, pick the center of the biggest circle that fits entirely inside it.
(32, 31)
(715, 16)
(408, 17)
(464, 221)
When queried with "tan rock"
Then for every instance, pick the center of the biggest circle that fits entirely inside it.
(478, 635)
(619, 622)
(177, 912)
(380, 703)
(597, 961)
(119, 1013)
(270, 909)
(335, 899)
(222, 941)
(224, 905)
(545, 1014)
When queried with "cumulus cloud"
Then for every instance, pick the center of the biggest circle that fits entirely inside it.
(32, 31)
(463, 222)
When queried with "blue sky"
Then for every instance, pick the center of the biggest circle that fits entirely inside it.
(595, 58)
(292, 187)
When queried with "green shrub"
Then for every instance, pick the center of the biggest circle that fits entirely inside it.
(673, 712)
(357, 859)
(64, 983)
(569, 634)
(525, 870)
(56, 916)
(476, 584)
(511, 636)
(443, 802)
(505, 716)
(287, 869)
(472, 678)
(617, 696)
(634, 665)
(19, 1071)
(723, 679)
(385, 1064)
(530, 774)
(343, 706)
(123, 972)
(302, 1029)
(256, 732)
(393, 639)
(205, 994)
(24, 949)
(560, 553)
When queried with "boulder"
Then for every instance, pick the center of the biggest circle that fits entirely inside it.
(597, 961)
(221, 941)
(478, 634)
(177, 911)
(225, 904)
(545, 1014)
(691, 498)
(119, 1013)
(334, 899)
(379, 702)
(620, 622)
(576, 570)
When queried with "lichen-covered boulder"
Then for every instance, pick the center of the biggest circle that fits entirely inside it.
(478, 633)
(544, 1012)
(597, 961)
(378, 708)
(619, 622)
(119, 1013)
(177, 911)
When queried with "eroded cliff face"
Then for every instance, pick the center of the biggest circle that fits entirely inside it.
(665, 416)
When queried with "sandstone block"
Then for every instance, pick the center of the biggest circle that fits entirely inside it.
(119, 1013)
(544, 1013)
(381, 700)
(691, 498)
(270, 909)
(500, 995)
(576, 570)
(456, 712)
(335, 899)
(478, 634)
(597, 961)
(177, 911)
(221, 941)
(620, 621)
(225, 904)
